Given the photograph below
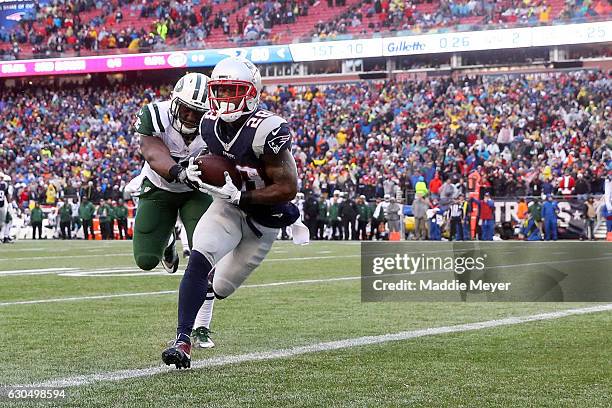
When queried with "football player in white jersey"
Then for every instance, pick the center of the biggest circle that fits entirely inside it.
(169, 137)
(6, 192)
(239, 228)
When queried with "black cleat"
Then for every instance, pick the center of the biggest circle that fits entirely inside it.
(170, 260)
(179, 354)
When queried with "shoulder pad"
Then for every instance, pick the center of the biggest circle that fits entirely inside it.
(157, 117)
(144, 123)
(271, 136)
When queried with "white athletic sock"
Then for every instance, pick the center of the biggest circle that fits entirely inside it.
(204, 316)
(183, 237)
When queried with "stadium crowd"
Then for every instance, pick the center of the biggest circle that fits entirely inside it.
(395, 15)
(521, 136)
(57, 27)
(550, 134)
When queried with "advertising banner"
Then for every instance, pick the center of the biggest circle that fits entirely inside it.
(12, 11)
(113, 63)
(257, 55)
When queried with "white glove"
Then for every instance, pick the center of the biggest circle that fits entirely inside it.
(188, 176)
(192, 172)
(228, 192)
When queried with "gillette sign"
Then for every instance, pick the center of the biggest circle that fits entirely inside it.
(401, 47)
(498, 39)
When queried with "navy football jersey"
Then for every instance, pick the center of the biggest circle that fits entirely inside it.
(262, 133)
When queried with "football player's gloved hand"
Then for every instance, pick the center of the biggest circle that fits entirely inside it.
(187, 175)
(192, 172)
(228, 192)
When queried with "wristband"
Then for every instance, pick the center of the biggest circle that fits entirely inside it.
(175, 171)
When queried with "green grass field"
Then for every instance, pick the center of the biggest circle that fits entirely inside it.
(81, 313)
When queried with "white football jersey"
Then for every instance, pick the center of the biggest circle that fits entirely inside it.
(154, 120)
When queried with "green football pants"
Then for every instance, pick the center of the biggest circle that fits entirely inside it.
(155, 219)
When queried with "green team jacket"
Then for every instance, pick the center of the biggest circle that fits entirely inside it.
(104, 213)
(36, 215)
(322, 212)
(334, 209)
(365, 212)
(65, 213)
(121, 212)
(87, 211)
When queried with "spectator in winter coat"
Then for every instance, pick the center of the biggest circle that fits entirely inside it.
(447, 193)
(393, 215)
(419, 210)
(486, 211)
(549, 215)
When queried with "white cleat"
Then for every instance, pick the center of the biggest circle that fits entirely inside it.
(201, 338)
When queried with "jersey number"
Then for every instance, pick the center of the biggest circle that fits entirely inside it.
(252, 179)
(258, 118)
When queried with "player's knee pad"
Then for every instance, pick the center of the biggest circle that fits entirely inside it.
(147, 261)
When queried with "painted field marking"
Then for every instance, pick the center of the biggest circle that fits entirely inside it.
(88, 379)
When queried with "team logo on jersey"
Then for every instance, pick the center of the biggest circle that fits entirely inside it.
(278, 142)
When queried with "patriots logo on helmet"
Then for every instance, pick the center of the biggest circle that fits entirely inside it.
(278, 142)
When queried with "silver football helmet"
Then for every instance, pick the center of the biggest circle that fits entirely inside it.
(234, 88)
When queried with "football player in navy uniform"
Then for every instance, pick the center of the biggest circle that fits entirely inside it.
(240, 226)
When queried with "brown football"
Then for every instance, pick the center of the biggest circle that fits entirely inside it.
(213, 166)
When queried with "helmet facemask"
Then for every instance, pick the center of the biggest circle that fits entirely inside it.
(185, 118)
(232, 98)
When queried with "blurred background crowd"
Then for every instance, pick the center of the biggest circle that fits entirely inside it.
(86, 27)
(514, 136)
(521, 136)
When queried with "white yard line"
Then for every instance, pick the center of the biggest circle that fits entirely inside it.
(113, 254)
(41, 271)
(76, 298)
(315, 348)
(167, 292)
(64, 271)
(36, 271)
(116, 272)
